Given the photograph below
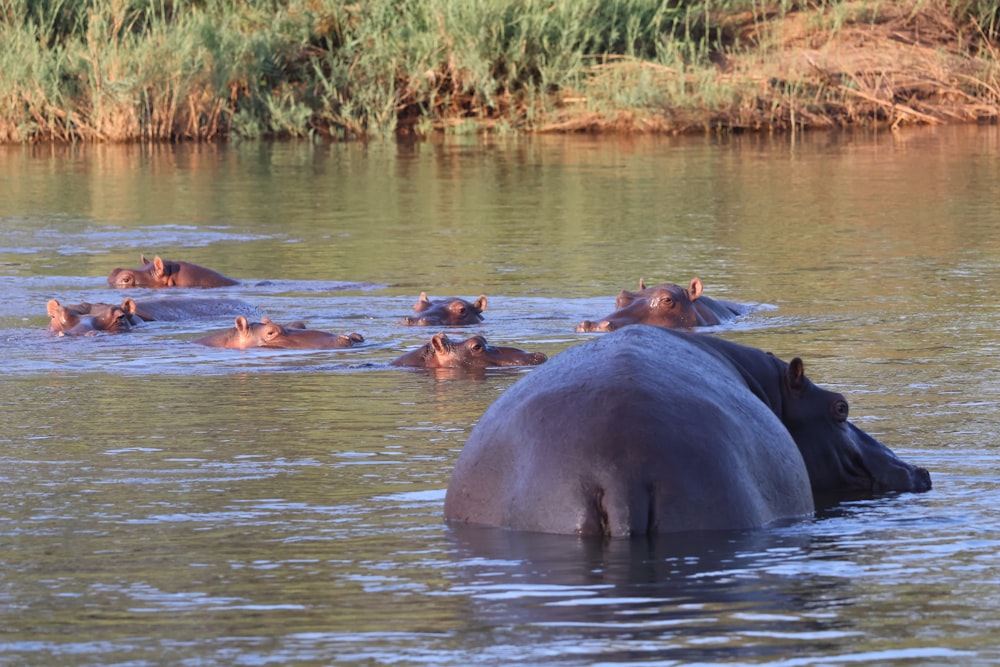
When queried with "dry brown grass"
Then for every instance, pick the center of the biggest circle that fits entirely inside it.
(813, 70)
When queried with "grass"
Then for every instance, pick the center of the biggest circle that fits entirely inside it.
(174, 70)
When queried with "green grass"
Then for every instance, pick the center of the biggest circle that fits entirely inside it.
(169, 70)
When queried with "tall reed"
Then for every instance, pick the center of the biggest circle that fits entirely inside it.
(153, 70)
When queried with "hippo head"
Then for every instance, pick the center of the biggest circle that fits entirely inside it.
(446, 312)
(300, 338)
(88, 318)
(293, 336)
(150, 274)
(475, 352)
(664, 305)
(262, 334)
(841, 458)
(161, 273)
(246, 334)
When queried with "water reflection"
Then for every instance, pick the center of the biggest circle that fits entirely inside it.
(705, 597)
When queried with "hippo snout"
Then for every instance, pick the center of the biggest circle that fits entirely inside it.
(921, 480)
(899, 476)
(595, 327)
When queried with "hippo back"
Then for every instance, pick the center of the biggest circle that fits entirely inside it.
(183, 309)
(640, 431)
(712, 312)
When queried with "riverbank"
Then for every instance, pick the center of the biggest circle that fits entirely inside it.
(886, 67)
(123, 70)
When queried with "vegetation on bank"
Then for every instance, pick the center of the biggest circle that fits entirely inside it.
(171, 70)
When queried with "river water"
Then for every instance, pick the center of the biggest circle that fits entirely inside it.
(166, 503)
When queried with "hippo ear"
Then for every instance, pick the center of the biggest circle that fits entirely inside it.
(143, 259)
(422, 304)
(242, 325)
(158, 266)
(480, 303)
(796, 374)
(695, 289)
(626, 298)
(128, 306)
(642, 284)
(440, 343)
(53, 308)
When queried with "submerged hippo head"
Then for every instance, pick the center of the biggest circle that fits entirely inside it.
(162, 273)
(842, 460)
(475, 352)
(301, 338)
(446, 312)
(246, 335)
(666, 305)
(85, 319)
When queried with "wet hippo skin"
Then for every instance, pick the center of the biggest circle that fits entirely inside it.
(475, 352)
(667, 305)
(653, 430)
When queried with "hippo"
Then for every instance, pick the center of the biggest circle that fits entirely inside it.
(667, 305)
(183, 308)
(162, 273)
(446, 312)
(86, 319)
(475, 352)
(266, 333)
(655, 431)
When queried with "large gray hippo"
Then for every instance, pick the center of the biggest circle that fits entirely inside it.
(650, 430)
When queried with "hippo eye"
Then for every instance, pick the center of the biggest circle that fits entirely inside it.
(477, 347)
(839, 410)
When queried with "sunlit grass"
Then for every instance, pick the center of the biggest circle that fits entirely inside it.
(168, 70)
